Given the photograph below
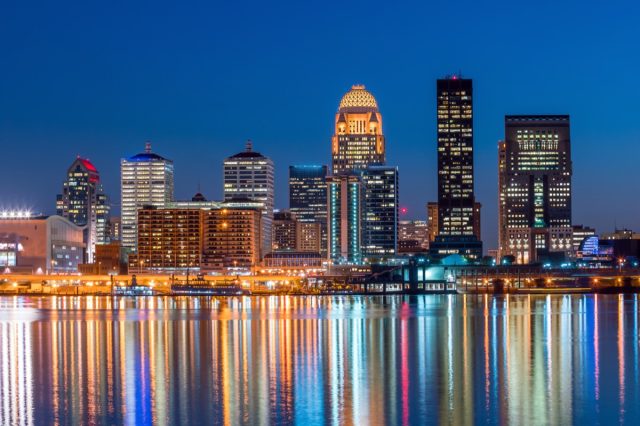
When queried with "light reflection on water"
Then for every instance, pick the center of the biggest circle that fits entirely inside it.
(314, 360)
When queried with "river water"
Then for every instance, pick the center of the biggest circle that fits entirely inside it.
(434, 359)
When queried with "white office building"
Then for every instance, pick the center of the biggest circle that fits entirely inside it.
(249, 175)
(146, 180)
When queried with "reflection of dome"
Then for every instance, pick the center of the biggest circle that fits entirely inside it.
(358, 100)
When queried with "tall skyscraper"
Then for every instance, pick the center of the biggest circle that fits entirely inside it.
(380, 212)
(344, 194)
(358, 141)
(362, 193)
(308, 197)
(535, 187)
(146, 179)
(83, 202)
(456, 198)
(249, 175)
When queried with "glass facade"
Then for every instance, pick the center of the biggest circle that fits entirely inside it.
(308, 197)
(380, 212)
(345, 208)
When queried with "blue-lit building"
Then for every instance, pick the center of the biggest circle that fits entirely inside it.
(344, 197)
(308, 197)
(380, 212)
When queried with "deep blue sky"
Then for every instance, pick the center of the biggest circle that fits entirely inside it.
(100, 79)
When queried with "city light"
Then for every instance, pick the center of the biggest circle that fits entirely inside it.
(15, 214)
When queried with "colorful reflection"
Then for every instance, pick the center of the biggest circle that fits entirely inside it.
(316, 360)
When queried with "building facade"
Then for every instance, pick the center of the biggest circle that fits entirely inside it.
(146, 179)
(193, 238)
(291, 234)
(115, 228)
(284, 231)
(579, 234)
(456, 195)
(535, 187)
(169, 240)
(250, 175)
(358, 141)
(344, 196)
(84, 203)
(232, 238)
(432, 220)
(380, 212)
(309, 237)
(412, 236)
(41, 244)
(308, 197)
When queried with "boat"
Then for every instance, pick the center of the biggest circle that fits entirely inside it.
(132, 289)
(202, 287)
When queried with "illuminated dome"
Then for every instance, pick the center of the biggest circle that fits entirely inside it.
(358, 99)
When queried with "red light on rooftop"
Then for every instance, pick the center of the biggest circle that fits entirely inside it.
(403, 210)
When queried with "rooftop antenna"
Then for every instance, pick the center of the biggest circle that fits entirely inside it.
(147, 147)
(249, 145)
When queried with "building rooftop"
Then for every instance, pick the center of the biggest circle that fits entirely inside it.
(147, 155)
(87, 164)
(248, 152)
(357, 100)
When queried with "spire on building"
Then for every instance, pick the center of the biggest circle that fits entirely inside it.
(249, 145)
(147, 147)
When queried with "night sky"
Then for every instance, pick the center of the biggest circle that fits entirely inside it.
(98, 80)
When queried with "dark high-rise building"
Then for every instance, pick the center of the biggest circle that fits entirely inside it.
(456, 197)
(380, 212)
(308, 197)
(535, 187)
(83, 202)
(358, 141)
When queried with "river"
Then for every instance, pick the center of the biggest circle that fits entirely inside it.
(432, 359)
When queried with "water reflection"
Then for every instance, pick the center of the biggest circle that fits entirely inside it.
(338, 360)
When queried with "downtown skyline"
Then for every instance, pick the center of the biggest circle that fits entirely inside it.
(201, 109)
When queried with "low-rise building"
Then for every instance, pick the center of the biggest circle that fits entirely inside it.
(293, 260)
(231, 238)
(190, 238)
(39, 244)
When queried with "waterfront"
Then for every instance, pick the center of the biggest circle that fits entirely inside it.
(457, 359)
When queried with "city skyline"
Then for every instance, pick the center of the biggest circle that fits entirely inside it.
(202, 108)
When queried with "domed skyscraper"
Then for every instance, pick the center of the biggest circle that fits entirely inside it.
(362, 201)
(358, 141)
